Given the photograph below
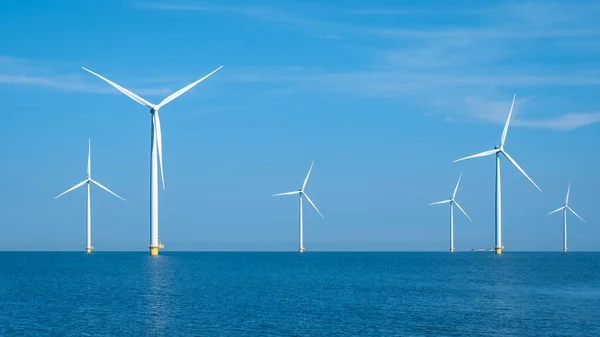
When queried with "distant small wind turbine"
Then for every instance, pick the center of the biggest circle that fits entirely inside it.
(87, 182)
(156, 148)
(452, 202)
(302, 193)
(497, 151)
(564, 208)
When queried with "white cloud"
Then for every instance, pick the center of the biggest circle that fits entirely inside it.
(59, 76)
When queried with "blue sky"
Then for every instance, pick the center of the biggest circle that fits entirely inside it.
(382, 95)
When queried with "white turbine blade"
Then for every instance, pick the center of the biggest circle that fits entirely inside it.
(183, 90)
(89, 170)
(481, 154)
(106, 189)
(313, 205)
(158, 135)
(439, 202)
(519, 168)
(568, 190)
(72, 188)
(286, 193)
(308, 174)
(556, 210)
(462, 210)
(121, 89)
(572, 211)
(456, 188)
(505, 131)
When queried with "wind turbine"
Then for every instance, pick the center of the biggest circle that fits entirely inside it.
(301, 193)
(497, 151)
(564, 208)
(88, 180)
(156, 149)
(452, 202)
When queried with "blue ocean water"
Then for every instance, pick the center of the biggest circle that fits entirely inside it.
(292, 294)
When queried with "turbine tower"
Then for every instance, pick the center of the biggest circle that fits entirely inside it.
(88, 180)
(452, 201)
(156, 150)
(497, 151)
(564, 208)
(301, 193)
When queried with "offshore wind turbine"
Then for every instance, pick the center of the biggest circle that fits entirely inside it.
(88, 180)
(564, 208)
(452, 201)
(301, 193)
(156, 149)
(497, 151)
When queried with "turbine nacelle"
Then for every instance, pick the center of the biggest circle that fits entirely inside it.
(154, 108)
(500, 149)
(88, 180)
(301, 192)
(452, 201)
(566, 207)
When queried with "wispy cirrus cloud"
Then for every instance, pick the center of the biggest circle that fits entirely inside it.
(58, 76)
(461, 69)
(522, 20)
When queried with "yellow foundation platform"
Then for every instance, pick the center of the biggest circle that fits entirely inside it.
(451, 250)
(499, 250)
(154, 251)
(301, 250)
(564, 250)
(88, 250)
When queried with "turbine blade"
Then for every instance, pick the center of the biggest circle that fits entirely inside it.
(308, 174)
(121, 89)
(462, 210)
(439, 202)
(106, 189)
(505, 131)
(481, 154)
(572, 211)
(72, 188)
(158, 135)
(519, 168)
(313, 205)
(183, 90)
(556, 210)
(456, 188)
(89, 170)
(286, 193)
(568, 190)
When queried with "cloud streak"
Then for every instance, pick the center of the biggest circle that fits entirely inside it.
(45, 74)
(466, 69)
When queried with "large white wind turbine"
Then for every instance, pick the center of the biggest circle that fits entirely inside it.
(156, 149)
(452, 201)
(564, 208)
(497, 151)
(301, 193)
(88, 180)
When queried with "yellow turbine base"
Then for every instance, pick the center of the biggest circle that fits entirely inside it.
(451, 250)
(154, 251)
(88, 250)
(564, 250)
(499, 250)
(301, 250)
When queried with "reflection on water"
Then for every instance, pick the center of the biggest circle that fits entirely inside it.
(158, 271)
(291, 294)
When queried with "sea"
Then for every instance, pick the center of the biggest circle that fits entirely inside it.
(293, 294)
